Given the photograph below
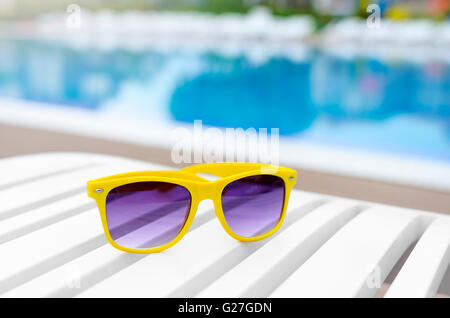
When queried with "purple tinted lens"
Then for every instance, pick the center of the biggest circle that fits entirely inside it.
(252, 206)
(146, 214)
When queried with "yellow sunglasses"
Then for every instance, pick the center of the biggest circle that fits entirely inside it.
(150, 211)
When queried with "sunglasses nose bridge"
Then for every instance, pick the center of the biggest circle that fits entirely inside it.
(208, 191)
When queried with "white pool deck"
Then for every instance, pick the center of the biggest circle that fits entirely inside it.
(423, 173)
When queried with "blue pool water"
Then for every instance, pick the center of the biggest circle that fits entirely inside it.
(367, 104)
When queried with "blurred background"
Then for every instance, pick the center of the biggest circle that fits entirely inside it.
(360, 90)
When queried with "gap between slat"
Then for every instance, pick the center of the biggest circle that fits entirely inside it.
(444, 288)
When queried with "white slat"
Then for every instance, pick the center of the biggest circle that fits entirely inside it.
(191, 265)
(89, 269)
(264, 270)
(358, 258)
(422, 273)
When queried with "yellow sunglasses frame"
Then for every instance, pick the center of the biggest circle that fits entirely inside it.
(199, 188)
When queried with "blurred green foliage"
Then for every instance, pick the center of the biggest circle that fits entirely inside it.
(28, 8)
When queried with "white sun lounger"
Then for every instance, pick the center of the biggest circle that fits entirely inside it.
(52, 244)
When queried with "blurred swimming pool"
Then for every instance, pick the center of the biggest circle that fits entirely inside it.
(361, 103)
